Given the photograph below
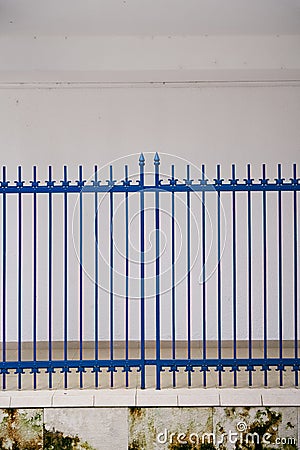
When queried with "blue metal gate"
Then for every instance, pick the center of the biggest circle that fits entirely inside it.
(218, 187)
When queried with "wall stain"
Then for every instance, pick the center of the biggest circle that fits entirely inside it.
(266, 420)
(289, 426)
(23, 429)
(56, 440)
(146, 423)
(136, 415)
(134, 445)
(19, 430)
(136, 412)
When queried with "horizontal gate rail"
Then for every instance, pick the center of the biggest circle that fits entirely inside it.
(203, 362)
(193, 187)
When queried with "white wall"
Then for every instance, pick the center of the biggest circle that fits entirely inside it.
(89, 59)
(205, 124)
(220, 120)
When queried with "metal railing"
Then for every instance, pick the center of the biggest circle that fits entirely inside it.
(103, 224)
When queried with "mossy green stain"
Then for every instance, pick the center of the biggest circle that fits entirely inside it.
(20, 431)
(134, 445)
(56, 440)
(136, 412)
(136, 415)
(266, 421)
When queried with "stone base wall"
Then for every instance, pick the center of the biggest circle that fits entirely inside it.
(140, 428)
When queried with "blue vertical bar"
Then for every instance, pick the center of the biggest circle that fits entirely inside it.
(111, 277)
(188, 218)
(142, 269)
(204, 274)
(20, 275)
(173, 277)
(265, 294)
(4, 278)
(80, 279)
(157, 270)
(34, 277)
(65, 277)
(126, 277)
(249, 214)
(219, 279)
(96, 288)
(280, 273)
(234, 272)
(295, 274)
(50, 241)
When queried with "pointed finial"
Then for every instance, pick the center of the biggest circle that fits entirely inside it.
(233, 180)
(248, 180)
(218, 181)
(295, 180)
(111, 182)
(279, 180)
(142, 160)
(156, 159)
(264, 180)
(279, 170)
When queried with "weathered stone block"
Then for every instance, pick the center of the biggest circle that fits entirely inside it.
(85, 428)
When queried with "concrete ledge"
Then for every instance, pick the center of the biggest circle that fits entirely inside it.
(150, 398)
(241, 397)
(4, 401)
(282, 397)
(31, 399)
(153, 397)
(198, 397)
(73, 398)
(115, 397)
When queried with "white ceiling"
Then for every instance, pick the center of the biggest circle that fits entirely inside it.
(149, 17)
